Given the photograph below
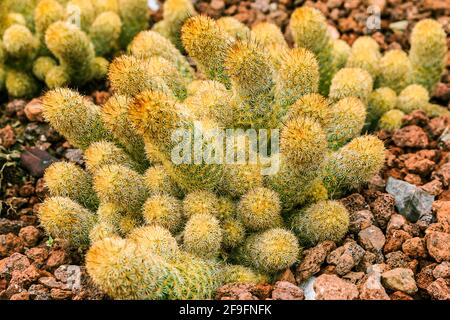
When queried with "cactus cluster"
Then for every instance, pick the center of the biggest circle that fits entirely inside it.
(162, 229)
(60, 43)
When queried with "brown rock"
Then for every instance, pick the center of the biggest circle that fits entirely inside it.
(434, 187)
(442, 209)
(396, 222)
(7, 137)
(9, 244)
(438, 245)
(24, 278)
(37, 254)
(437, 125)
(39, 292)
(331, 287)
(443, 174)
(29, 235)
(398, 295)
(312, 260)
(36, 161)
(353, 277)
(383, 207)
(15, 262)
(10, 226)
(410, 136)
(354, 202)
(51, 282)
(442, 270)
(398, 259)
(360, 220)
(59, 294)
(439, 289)
(33, 110)
(418, 165)
(415, 248)
(284, 290)
(287, 275)
(425, 277)
(399, 279)
(395, 240)
(57, 257)
(371, 288)
(346, 257)
(20, 296)
(233, 291)
(372, 238)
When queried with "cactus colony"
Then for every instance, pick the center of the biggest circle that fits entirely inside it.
(62, 43)
(161, 230)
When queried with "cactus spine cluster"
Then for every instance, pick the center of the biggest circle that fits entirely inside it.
(161, 229)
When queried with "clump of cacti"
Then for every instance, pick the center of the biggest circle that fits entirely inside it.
(168, 226)
(60, 43)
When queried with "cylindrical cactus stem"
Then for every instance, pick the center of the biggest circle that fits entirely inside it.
(234, 28)
(351, 82)
(46, 13)
(395, 71)
(160, 67)
(134, 17)
(347, 120)
(42, 65)
(268, 34)
(200, 202)
(238, 179)
(324, 220)
(164, 210)
(105, 32)
(260, 209)
(202, 236)
(310, 31)
(297, 76)
(148, 44)
(20, 43)
(413, 97)
(233, 233)
(103, 153)
(65, 219)
(120, 186)
(391, 120)
(365, 54)
(380, 101)
(354, 164)
(207, 44)
(65, 179)
(20, 84)
(341, 51)
(157, 181)
(241, 274)
(155, 239)
(57, 77)
(76, 118)
(313, 106)
(428, 53)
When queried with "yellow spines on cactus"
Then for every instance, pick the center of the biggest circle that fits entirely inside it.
(302, 144)
(65, 219)
(73, 49)
(175, 13)
(395, 71)
(272, 250)
(76, 118)
(202, 236)
(260, 209)
(207, 44)
(20, 43)
(240, 178)
(57, 77)
(324, 220)
(341, 52)
(110, 215)
(65, 179)
(129, 76)
(200, 202)
(268, 34)
(234, 28)
(413, 97)
(105, 5)
(157, 181)
(313, 106)
(233, 232)
(82, 12)
(155, 240)
(149, 43)
(134, 17)
(41, 66)
(428, 53)
(2, 77)
(105, 32)
(310, 31)
(365, 54)
(298, 75)
(351, 82)
(20, 84)
(160, 67)
(391, 120)
(103, 153)
(433, 110)
(353, 165)
(226, 208)
(121, 186)
(240, 274)
(102, 231)
(99, 68)
(46, 13)
(347, 120)
(381, 101)
(164, 210)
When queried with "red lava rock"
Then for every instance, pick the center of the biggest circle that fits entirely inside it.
(346, 257)
(439, 289)
(284, 290)
(383, 207)
(433, 187)
(371, 287)
(261, 291)
(395, 240)
(331, 287)
(369, 259)
(398, 295)
(438, 246)
(39, 292)
(425, 277)
(396, 222)
(399, 279)
(33, 110)
(372, 238)
(57, 257)
(360, 220)
(418, 165)
(287, 275)
(51, 282)
(442, 270)
(411, 136)
(413, 179)
(7, 137)
(444, 174)
(415, 247)
(398, 259)
(24, 278)
(442, 209)
(10, 226)
(20, 296)
(437, 125)
(30, 236)
(312, 260)
(354, 202)
(9, 244)
(36, 161)
(59, 294)
(353, 277)
(232, 291)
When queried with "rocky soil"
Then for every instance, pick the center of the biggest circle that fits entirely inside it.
(398, 246)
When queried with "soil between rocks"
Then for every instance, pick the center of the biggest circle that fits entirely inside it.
(384, 256)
